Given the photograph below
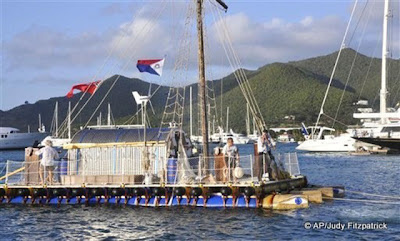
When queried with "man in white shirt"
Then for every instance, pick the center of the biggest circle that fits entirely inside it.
(47, 163)
(263, 162)
(231, 157)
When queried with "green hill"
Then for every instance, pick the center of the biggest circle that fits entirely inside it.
(365, 76)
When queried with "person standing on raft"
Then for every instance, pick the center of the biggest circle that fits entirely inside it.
(47, 163)
(231, 157)
(265, 158)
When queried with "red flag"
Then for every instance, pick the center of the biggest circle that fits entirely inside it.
(89, 88)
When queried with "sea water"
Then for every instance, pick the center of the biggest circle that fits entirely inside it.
(332, 220)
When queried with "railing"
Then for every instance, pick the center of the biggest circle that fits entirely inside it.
(289, 162)
(173, 171)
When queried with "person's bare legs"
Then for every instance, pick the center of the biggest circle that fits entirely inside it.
(51, 177)
(41, 175)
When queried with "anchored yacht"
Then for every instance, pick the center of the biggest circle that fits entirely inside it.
(321, 139)
(12, 138)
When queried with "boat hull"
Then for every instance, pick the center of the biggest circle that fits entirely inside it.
(338, 144)
(392, 143)
(21, 140)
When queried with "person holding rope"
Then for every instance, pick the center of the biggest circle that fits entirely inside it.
(264, 162)
(47, 163)
(231, 157)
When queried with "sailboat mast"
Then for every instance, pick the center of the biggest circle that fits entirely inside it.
(247, 120)
(56, 118)
(69, 120)
(191, 111)
(109, 115)
(227, 119)
(383, 93)
(202, 81)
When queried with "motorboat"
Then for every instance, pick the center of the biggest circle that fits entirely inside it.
(322, 139)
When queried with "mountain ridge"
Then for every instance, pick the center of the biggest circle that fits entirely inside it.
(294, 88)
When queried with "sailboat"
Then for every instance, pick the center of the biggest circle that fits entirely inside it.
(321, 139)
(57, 140)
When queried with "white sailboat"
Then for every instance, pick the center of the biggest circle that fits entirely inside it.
(320, 142)
(55, 138)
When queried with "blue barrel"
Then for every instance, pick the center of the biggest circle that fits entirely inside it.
(64, 166)
(172, 168)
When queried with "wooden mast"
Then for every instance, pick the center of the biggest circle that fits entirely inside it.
(202, 79)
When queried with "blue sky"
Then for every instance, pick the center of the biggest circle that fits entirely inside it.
(47, 46)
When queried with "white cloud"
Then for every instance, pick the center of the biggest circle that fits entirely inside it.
(146, 36)
(258, 43)
(44, 48)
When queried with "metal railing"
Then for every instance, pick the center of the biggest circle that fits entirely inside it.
(171, 171)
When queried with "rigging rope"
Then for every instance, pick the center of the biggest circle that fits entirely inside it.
(174, 105)
(238, 72)
(334, 67)
(156, 16)
(369, 69)
(353, 62)
(64, 124)
(126, 65)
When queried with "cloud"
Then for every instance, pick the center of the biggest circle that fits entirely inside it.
(155, 32)
(45, 48)
(258, 43)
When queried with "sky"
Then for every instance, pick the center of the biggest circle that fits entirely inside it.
(48, 46)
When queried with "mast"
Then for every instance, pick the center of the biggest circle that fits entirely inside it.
(56, 117)
(227, 119)
(191, 111)
(202, 81)
(383, 92)
(109, 115)
(69, 120)
(40, 123)
(247, 120)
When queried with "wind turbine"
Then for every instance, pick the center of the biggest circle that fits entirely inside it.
(142, 100)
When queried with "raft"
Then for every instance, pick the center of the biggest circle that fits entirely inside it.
(116, 167)
(279, 195)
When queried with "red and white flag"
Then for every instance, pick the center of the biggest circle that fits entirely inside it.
(89, 88)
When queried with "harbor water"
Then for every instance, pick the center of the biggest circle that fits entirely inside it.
(374, 174)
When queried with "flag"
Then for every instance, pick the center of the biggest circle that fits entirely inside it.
(89, 88)
(152, 66)
(304, 129)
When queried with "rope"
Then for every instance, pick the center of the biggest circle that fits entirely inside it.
(369, 68)
(156, 16)
(354, 60)
(362, 200)
(239, 73)
(174, 105)
(64, 123)
(334, 67)
(373, 195)
(126, 65)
